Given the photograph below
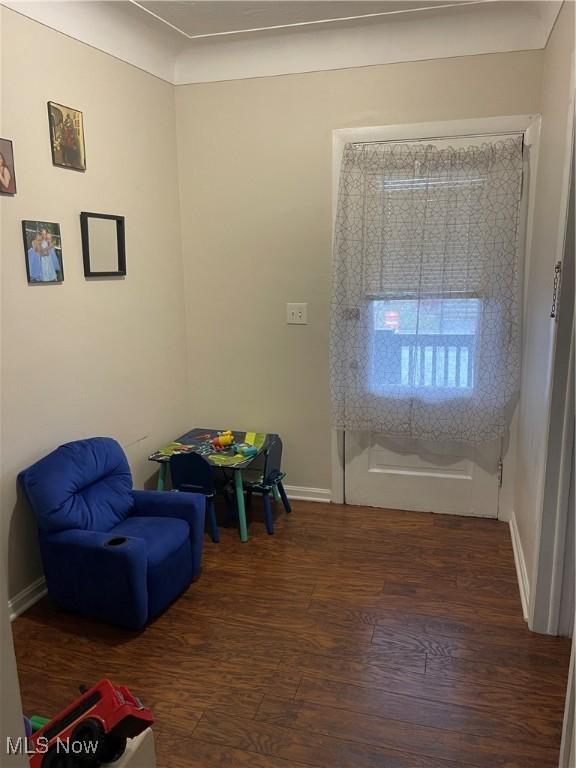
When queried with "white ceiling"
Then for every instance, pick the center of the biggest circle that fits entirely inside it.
(211, 40)
(226, 17)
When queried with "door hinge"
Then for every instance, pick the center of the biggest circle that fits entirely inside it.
(557, 273)
(500, 472)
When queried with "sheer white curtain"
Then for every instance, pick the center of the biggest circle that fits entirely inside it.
(426, 305)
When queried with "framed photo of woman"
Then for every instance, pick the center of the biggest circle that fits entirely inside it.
(7, 172)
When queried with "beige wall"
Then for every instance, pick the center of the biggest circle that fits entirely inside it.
(548, 235)
(255, 185)
(104, 357)
(255, 160)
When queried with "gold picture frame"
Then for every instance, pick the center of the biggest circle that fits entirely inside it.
(67, 137)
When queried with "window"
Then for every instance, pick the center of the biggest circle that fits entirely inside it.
(425, 331)
(424, 343)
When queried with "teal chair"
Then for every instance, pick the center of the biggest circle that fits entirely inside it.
(265, 477)
(191, 473)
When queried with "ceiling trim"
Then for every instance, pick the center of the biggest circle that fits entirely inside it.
(465, 30)
(297, 24)
(131, 37)
(122, 30)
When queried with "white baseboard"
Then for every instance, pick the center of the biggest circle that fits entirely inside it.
(26, 598)
(300, 493)
(520, 562)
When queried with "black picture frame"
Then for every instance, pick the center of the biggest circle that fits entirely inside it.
(85, 217)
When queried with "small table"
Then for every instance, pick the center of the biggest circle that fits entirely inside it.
(199, 442)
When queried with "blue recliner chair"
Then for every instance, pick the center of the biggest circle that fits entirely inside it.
(108, 551)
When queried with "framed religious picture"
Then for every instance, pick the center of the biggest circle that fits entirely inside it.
(7, 172)
(43, 250)
(66, 137)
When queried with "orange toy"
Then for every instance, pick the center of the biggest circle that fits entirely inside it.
(222, 440)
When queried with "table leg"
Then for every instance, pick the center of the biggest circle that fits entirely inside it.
(161, 483)
(240, 505)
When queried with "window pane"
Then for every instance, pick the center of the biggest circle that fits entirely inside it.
(427, 344)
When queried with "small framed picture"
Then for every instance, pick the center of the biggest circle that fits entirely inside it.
(7, 172)
(43, 249)
(67, 137)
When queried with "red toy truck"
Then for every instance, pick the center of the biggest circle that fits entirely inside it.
(91, 731)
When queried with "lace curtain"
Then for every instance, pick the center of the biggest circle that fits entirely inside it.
(425, 323)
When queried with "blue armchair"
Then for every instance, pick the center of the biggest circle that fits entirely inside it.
(108, 551)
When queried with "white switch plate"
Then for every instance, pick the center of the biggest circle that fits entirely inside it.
(296, 314)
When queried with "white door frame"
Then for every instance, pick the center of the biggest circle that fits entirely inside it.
(529, 125)
(544, 608)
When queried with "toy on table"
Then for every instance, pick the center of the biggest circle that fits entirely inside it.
(92, 730)
(226, 439)
(245, 449)
(222, 440)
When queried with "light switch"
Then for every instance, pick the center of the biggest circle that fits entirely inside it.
(296, 314)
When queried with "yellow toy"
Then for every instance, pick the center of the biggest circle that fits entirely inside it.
(222, 440)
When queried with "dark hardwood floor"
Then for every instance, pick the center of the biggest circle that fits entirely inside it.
(353, 638)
